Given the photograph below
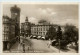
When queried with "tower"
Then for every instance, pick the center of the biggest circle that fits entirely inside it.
(15, 15)
(26, 19)
(27, 27)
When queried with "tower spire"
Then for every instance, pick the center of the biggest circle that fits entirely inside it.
(26, 19)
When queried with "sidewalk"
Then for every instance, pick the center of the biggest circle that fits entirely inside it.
(18, 48)
(64, 51)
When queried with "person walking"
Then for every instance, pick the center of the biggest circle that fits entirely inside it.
(21, 39)
(23, 44)
(8, 46)
(49, 43)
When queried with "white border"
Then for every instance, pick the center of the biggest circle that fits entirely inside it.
(33, 53)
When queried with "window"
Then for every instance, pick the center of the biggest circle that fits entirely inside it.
(41, 29)
(41, 33)
(44, 29)
(37, 32)
(7, 38)
(34, 29)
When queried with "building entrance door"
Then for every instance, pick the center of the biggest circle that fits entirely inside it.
(4, 45)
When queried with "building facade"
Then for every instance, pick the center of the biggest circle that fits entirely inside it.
(40, 29)
(11, 27)
(26, 28)
(22, 28)
(8, 32)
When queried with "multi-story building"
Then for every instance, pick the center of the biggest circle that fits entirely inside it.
(8, 32)
(40, 29)
(11, 27)
(26, 27)
(22, 28)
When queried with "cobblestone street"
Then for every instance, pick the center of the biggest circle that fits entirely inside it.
(36, 46)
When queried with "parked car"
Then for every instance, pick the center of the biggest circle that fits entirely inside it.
(34, 37)
(39, 37)
(43, 38)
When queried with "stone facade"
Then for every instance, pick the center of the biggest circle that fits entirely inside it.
(11, 27)
(40, 29)
(26, 27)
(15, 15)
(8, 31)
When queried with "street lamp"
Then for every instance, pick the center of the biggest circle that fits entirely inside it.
(59, 36)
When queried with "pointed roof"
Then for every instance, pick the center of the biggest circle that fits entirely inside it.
(26, 19)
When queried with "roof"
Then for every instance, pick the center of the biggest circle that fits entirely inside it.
(15, 8)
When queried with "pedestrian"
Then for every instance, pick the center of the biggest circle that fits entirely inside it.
(8, 46)
(23, 46)
(49, 43)
(21, 39)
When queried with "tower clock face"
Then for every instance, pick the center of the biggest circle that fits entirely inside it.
(14, 15)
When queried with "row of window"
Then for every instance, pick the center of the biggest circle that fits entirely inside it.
(6, 27)
(6, 20)
(41, 26)
(6, 32)
(39, 33)
(39, 29)
(5, 37)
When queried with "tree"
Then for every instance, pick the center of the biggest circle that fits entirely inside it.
(51, 33)
(71, 33)
(59, 33)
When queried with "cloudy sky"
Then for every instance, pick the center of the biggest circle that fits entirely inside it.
(54, 13)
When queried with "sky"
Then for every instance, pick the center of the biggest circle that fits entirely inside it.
(54, 13)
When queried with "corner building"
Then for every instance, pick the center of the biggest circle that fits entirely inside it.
(8, 32)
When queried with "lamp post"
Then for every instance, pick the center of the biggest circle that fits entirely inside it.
(23, 46)
(59, 45)
(59, 36)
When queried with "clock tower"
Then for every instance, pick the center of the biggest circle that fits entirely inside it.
(27, 27)
(15, 15)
